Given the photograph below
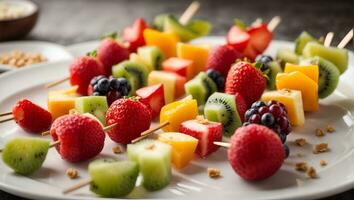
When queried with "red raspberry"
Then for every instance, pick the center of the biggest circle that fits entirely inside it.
(31, 117)
(82, 70)
(132, 118)
(81, 137)
(256, 152)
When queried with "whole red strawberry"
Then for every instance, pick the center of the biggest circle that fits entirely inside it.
(81, 137)
(82, 70)
(110, 52)
(255, 152)
(221, 58)
(241, 106)
(246, 80)
(132, 118)
(31, 117)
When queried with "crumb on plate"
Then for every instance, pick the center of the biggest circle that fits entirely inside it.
(312, 172)
(319, 132)
(320, 148)
(72, 173)
(323, 163)
(300, 142)
(330, 129)
(301, 166)
(117, 149)
(213, 172)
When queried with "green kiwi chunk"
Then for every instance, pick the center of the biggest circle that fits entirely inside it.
(152, 56)
(95, 105)
(274, 69)
(284, 56)
(302, 40)
(200, 87)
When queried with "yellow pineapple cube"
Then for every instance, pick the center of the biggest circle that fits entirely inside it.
(60, 102)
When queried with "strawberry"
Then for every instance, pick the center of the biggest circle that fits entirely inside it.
(260, 37)
(153, 97)
(250, 52)
(255, 152)
(134, 34)
(221, 58)
(206, 132)
(241, 105)
(132, 118)
(247, 80)
(81, 137)
(110, 52)
(237, 38)
(82, 70)
(31, 117)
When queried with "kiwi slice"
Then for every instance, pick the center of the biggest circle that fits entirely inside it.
(328, 76)
(152, 56)
(200, 27)
(302, 40)
(200, 87)
(274, 69)
(159, 21)
(221, 107)
(95, 105)
(25, 155)
(339, 57)
(184, 33)
(135, 73)
(112, 178)
(286, 56)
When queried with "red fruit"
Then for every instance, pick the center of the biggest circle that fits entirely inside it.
(134, 35)
(221, 58)
(250, 52)
(206, 133)
(256, 152)
(237, 38)
(110, 52)
(132, 118)
(153, 97)
(246, 80)
(31, 117)
(241, 106)
(179, 66)
(89, 90)
(82, 70)
(260, 37)
(81, 137)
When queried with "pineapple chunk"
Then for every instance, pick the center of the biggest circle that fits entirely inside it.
(311, 71)
(196, 52)
(293, 102)
(60, 102)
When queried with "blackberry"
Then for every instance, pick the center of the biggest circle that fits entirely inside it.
(217, 78)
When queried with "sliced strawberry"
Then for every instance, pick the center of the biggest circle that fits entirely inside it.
(241, 105)
(180, 66)
(238, 38)
(250, 52)
(206, 132)
(260, 37)
(153, 97)
(134, 34)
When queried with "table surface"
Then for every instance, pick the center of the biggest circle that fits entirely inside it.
(73, 21)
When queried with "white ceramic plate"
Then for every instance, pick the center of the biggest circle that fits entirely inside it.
(193, 181)
(53, 52)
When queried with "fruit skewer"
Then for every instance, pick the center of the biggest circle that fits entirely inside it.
(328, 39)
(148, 132)
(273, 23)
(184, 19)
(346, 39)
(107, 128)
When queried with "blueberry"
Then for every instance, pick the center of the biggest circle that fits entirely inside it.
(287, 150)
(246, 124)
(249, 113)
(114, 84)
(220, 81)
(267, 119)
(96, 79)
(258, 104)
(124, 91)
(96, 94)
(276, 128)
(123, 82)
(213, 74)
(95, 88)
(103, 86)
(255, 119)
(264, 59)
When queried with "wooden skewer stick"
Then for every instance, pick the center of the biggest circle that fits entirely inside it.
(346, 39)
(146, 133)
(223, 144)
(104, 129)
(328, 39)
(4, 114)
(6, 120)
(77, 186)
(189, 12)
(274, 22)
(57, 82)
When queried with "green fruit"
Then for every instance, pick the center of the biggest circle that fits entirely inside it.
(184, 33)
(339, 57)
(95, 105)
(221, 107)
(200, 87)
(302, 40)
(200, 27)
(328, 76)
(152, 56)
(159, 21)
(274, 69)
(154, 160)
(135, 73)
(111, 178)
(286, 56)
(25, 155)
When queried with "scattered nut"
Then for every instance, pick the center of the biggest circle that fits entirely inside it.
(330, 129)
(312, 172)
(300, 142)
(19, 58)
(213, 172)
(323, 163)
(117, 150)
(320, 148)
(319, 132)
(72, 173)
(301, 166)
(202, 120)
